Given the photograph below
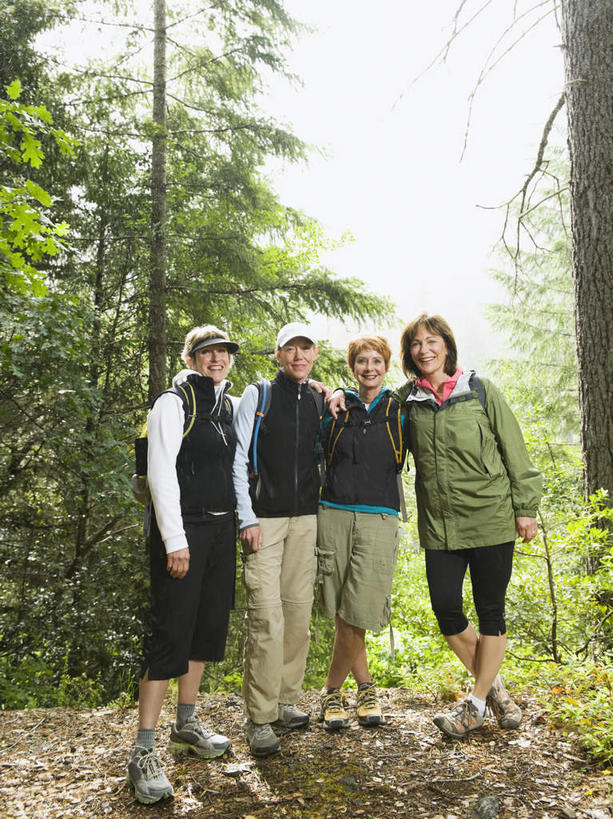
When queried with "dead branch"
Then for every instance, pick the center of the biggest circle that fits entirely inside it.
(443, 53)
(487, 69)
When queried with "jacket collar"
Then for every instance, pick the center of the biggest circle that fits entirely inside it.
(462, 387)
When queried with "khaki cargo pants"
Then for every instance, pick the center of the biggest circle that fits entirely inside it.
(279, 580)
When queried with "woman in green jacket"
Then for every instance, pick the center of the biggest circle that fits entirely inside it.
(476, 492)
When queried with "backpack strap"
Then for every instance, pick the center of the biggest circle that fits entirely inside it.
(264, 396)
(320, 402)
(185, 396)
(399, 448)
(332, 438)
(476, 385)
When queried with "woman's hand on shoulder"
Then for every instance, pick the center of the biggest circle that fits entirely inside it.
(177, 563)
(318, 386)
(526, 528)
(337, 403)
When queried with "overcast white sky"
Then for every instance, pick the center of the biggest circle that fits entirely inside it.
(393, 175)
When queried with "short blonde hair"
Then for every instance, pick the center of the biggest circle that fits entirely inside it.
(365, 341)
(198, 334)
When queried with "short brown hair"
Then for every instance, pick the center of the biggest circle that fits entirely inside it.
(369, 342)
(438, 326)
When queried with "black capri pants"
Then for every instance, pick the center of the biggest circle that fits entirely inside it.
(190, 616)
(490, 572)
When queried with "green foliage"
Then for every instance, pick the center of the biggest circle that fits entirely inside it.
(27, 235)
(581, 699)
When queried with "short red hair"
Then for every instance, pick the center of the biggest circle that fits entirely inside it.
(365, 341)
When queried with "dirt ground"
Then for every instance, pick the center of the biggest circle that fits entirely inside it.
(67, 763)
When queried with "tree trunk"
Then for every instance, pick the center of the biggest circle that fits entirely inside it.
(588, 50)
(157, 279)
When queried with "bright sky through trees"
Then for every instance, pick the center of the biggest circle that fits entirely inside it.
(393, 175)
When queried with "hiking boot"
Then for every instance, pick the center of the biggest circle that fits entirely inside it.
(291, 717)
(262, 739)
(499, 701)
(464, 717)
(368, 708)
(196, 738)
(146, 774)
(333, 711)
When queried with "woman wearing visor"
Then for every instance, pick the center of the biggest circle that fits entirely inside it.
(191, 447)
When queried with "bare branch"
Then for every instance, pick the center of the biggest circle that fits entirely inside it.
(443, 53)
(487, 69)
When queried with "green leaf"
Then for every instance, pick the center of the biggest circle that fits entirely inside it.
(38, 193)
(14, 90)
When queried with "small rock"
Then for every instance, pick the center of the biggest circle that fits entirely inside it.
(237, 770)
(349, 783)
(488, 807)
(568, 813)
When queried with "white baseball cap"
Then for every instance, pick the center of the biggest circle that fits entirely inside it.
(294, 330)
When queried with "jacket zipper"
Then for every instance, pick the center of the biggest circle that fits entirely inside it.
(296, 445)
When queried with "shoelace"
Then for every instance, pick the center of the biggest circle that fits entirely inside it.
(368, 698)
(149, 764)
(194, 724)
(262, 730)
(334, 703)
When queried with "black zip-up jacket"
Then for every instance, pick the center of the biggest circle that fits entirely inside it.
(204, 462)
(288, 474)
(362, 468)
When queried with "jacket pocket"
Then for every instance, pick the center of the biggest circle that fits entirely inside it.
(490, 456)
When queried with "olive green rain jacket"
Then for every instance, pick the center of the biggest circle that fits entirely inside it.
(473, 474)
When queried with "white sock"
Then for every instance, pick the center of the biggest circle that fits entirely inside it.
(479, 704)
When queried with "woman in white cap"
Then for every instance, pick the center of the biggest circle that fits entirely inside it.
(191, 446)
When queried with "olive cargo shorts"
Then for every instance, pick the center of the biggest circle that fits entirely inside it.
(357, 554)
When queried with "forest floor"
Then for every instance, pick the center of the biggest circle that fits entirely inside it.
(64, 762)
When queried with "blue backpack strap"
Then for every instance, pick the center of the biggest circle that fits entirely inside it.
(263, 388)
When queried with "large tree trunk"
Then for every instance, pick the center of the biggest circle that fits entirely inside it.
(157, 279)
(588, 50)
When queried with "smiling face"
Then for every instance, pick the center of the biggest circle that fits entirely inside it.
(296, 358)
(369, 369)
(213, 361)
(429, 354)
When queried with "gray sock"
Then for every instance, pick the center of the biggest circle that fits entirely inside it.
(184, 712)
(145, 738)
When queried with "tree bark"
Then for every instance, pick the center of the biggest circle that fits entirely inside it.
(588, 54)
(157, 278)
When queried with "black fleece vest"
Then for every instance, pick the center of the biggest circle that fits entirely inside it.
(363, 468)
(288, 474)
(204, 462)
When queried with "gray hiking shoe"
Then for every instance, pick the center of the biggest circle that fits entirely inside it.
(262, 739)
(464, 717)
(146, 774)
(333, 713)
(196, 738)
(368, 708)
(499, 701)
(291, 717)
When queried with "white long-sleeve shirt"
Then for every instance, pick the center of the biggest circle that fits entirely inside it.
(243, 426)
(165, 435)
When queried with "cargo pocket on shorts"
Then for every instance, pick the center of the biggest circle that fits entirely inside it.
(250, 574)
